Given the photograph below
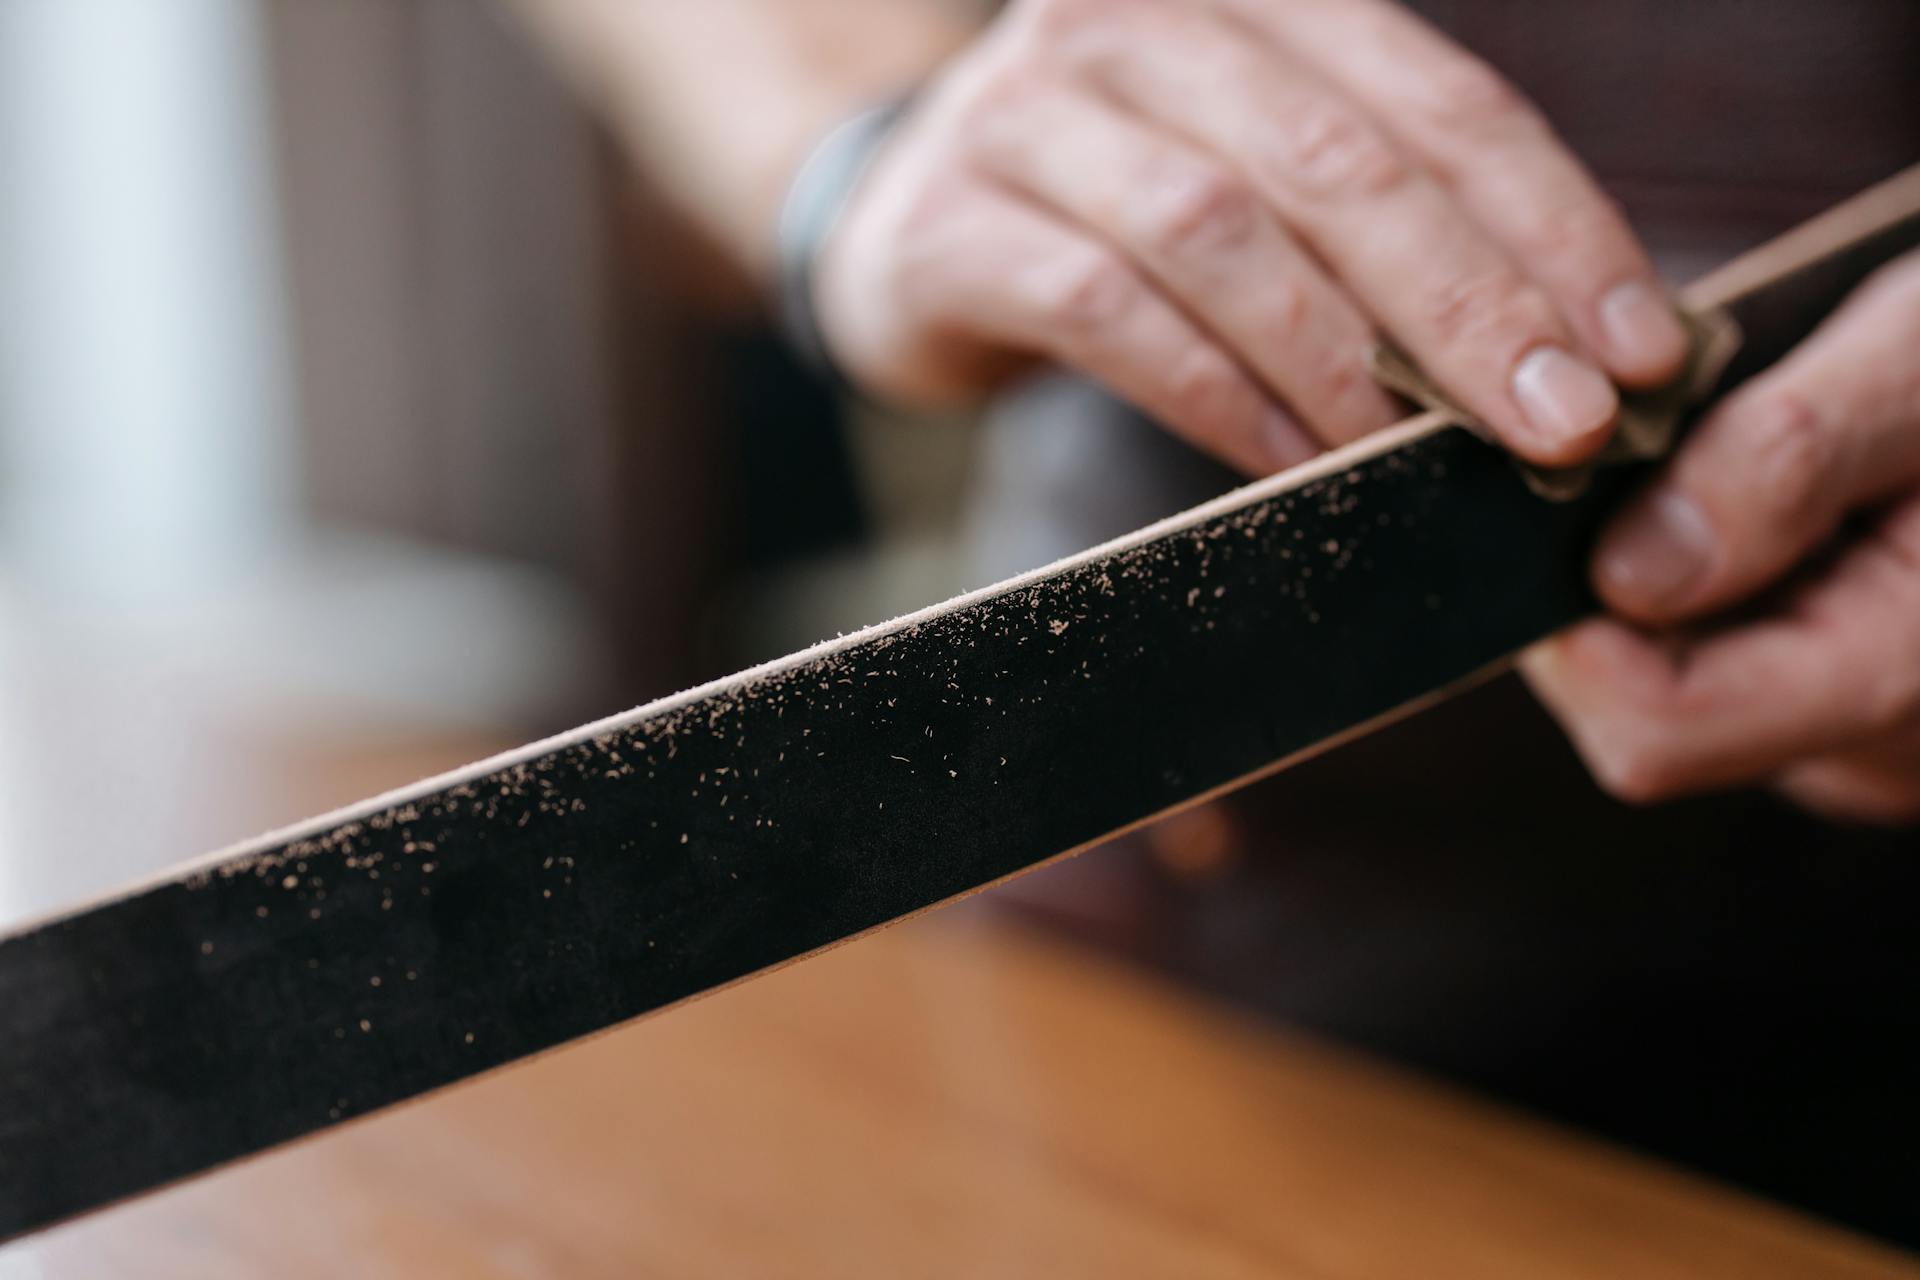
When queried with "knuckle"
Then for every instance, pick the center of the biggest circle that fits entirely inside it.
(987, 106)
(915, 235)
(1291, 315)
(1088, 292)
(1325, 353)
(1289, 312)
(1328, 150)
(1349, 386)
(1589, 233)
(1202, 386)
(1465, 94)
(1492, 308)
(1794, 453)
(1205, 210)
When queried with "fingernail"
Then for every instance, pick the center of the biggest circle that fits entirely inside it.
(1563, 397)
(1287, 443)
(1657, 551)
(1641, 327)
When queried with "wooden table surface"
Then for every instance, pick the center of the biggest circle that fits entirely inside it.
(953, 1097)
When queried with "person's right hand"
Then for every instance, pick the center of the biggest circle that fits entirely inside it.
(1212, 205)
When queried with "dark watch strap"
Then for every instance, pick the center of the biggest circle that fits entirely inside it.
(814, 201)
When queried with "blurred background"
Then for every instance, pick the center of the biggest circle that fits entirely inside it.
(355, 396)
(355, 391)
(363, 412)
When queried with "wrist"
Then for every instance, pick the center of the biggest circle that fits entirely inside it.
(815, 200)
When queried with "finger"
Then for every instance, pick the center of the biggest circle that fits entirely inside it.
(1198, 845)
(1015, 277)
(1501, 158)
(1877, 784)
(1384, 226)
(1201, 232)
(1658, 716)
(1878, 779)
(1772, 472)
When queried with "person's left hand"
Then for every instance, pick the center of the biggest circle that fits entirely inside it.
(1799, 500)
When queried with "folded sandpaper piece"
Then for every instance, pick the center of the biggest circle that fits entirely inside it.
(422, 937)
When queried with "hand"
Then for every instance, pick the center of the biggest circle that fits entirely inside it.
(1211, 206)
(1807, 480)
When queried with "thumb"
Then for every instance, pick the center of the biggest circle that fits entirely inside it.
(1769, 475)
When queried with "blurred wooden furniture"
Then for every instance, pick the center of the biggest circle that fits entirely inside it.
(952, 1097)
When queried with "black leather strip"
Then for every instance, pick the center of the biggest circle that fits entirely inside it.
(328, 975)
(422, 938)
